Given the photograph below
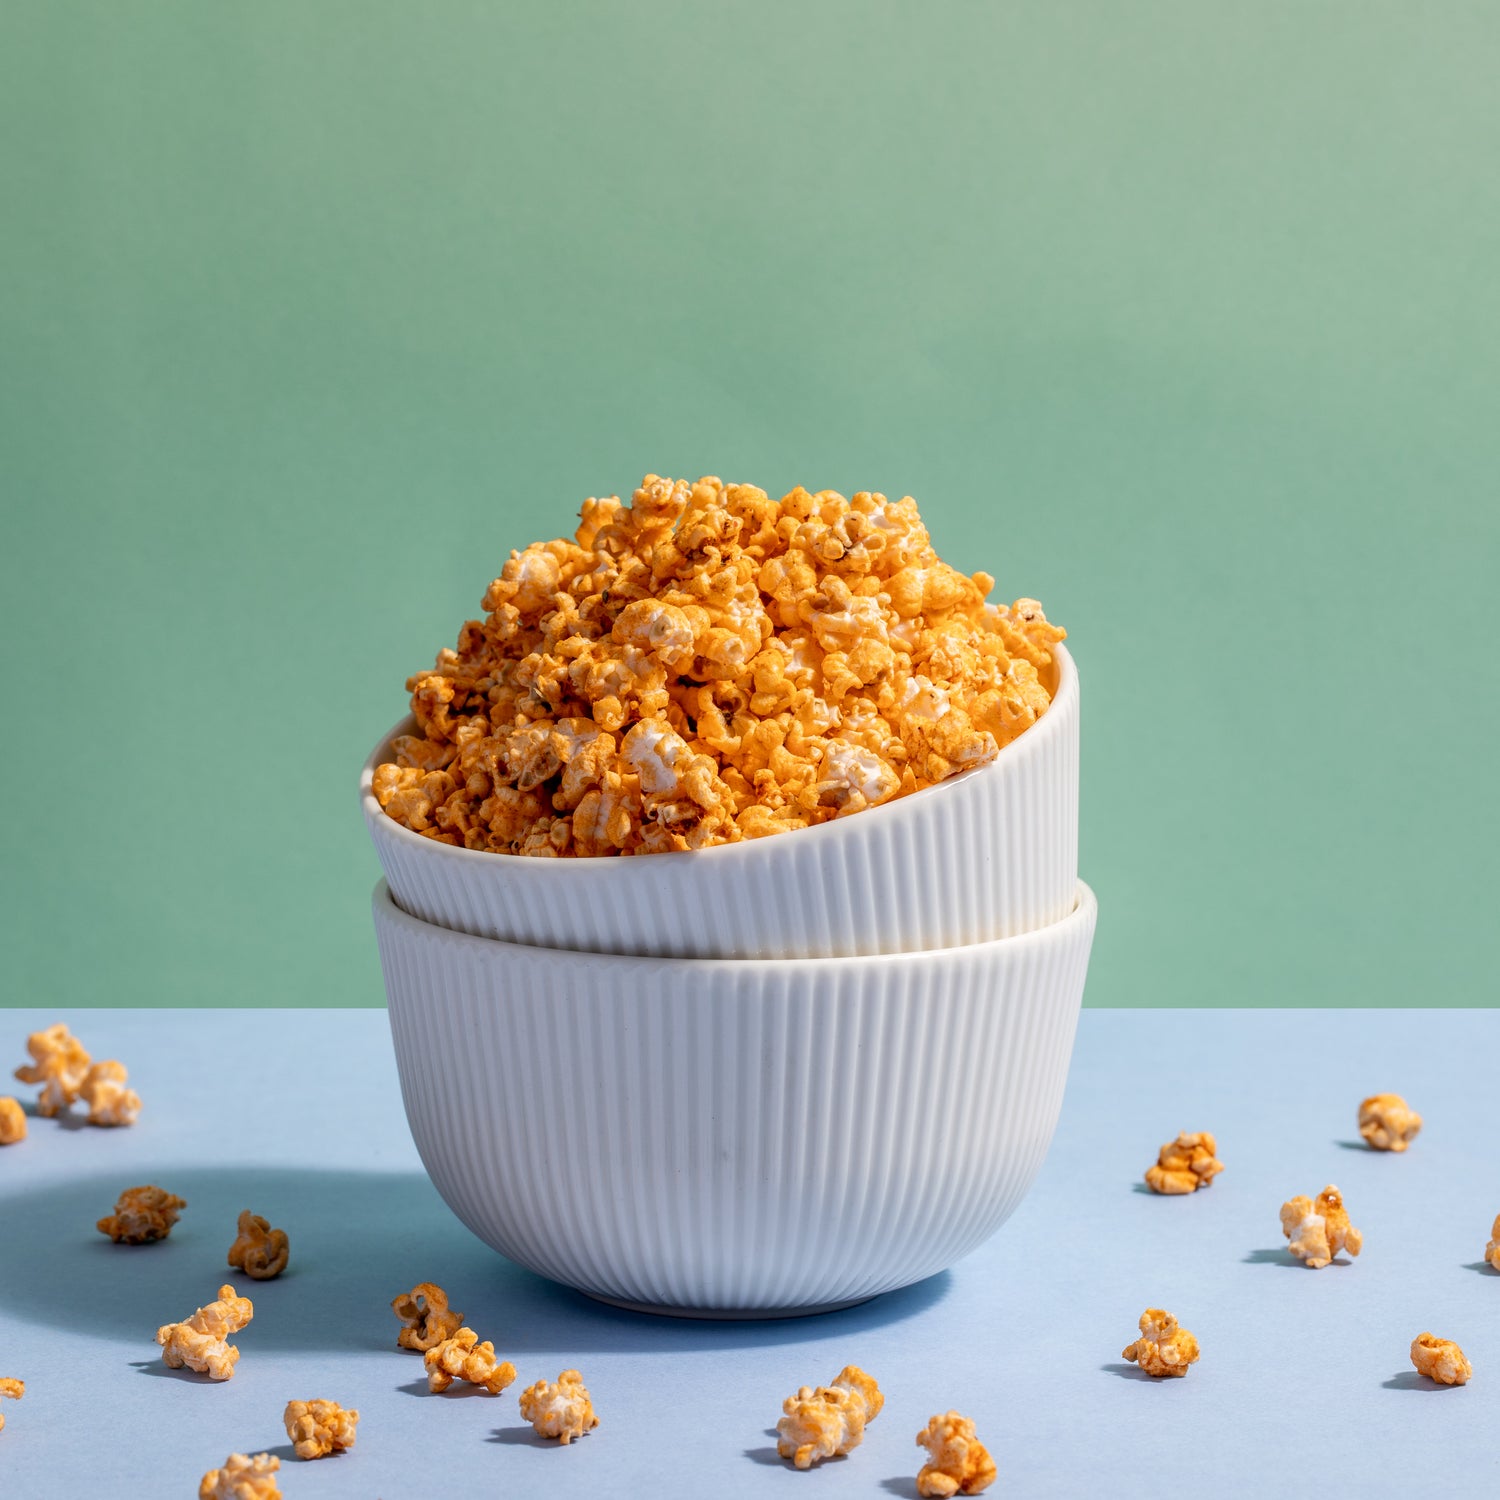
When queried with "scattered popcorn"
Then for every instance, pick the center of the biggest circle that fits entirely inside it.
(1185, 1165)
(1492, 1250)
(201, 1342)
(1440, 1360)
(15, 1389)
(1387, 1123)
(141, 1215)
(259, 1251)
(562, 1411)
(59, 1063)
(1163, 1348)
(109, 1101)
(12, 1122)
(830, 1420)
(1319, 1230)
(960, 1463)
(242, 1478)
(318, 1428)
(424, 1309)
(705, 665)
(463, 1357)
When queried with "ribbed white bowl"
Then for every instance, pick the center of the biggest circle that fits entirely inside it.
(989, 854)
(732, 1138)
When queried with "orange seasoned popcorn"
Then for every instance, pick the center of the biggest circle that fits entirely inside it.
(1163, 1348)
(318, 1428)
(424, 1310)
(1185, 1165)
(142, 1214)
(201, 1342)
(1440, 1360)
(12, 1122)
(242, 1478)
(960, 1464)
(59, 1063)
(1387, 1123)
(562, 1411)
(109, 1101)
(463, 1357)
(1319, 1230)
(829, 1421)
(258, 1250)
(15, 1389)
(1492, 1250)
(706, 665)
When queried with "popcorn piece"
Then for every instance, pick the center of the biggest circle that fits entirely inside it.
(424, 1309)
(562, 1411)
(142, 1214)
(1163, 1347)
(318, 1428)
(259, 1251)
(463, 1357)
(109, 1101)
(828, 1421)
(12, 1122)
(59, 1063)
(1319, 1230)
(1440, 1360)
(960, 1463)
(242, 1478)
(15, 1389)
(1492, 1250)
(201, 1342)
(1185, 1165)
(1387, 1123)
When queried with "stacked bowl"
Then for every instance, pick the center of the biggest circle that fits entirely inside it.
(765, 1078)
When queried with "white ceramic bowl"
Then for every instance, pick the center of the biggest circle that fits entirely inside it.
(732, 1137)
(989, 854)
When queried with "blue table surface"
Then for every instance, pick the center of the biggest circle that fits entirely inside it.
(1304, 1383)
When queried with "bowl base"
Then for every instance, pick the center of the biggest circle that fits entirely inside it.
(726, 1314)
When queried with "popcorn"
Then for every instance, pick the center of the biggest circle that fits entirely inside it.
(960, 1463)
(15, 1389)
(829, 1421)
(258, 1250)
(1492, 1250)
(318, 1428)
(109, 1101)
(59, 1063)
(242, 1478)
(562, 1411)
(12, 1122)
(1185, 1165)
(1163, 1348)
(424, 1309)
(201, 1342)
(1319, 1230)
(463, 1357)
(142, 1214)
(1387, 1124)
(705, 665)
(1440, 1360)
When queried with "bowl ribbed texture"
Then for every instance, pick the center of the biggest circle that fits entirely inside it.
(989, 854)
(751, 1138)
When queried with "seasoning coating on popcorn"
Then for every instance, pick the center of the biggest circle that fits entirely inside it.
(242, 1478)
(142, 1214)
(830, 1420)
(1319, 1229)
(463, 1357)
(318, 1428)
(59, 1063)
(1164, 1348)
(562, 1410)
(1388, 1123)
(201, 1342)
(1492, 1250)
(960, 1464)
(258, 1250)
(15, 1389)
(110, 1102)
(12, 1121)
(424, 1310)
(1440, 1360)
(705, 665)
(1185, 1165)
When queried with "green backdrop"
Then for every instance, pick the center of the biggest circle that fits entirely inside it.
(1182, 317)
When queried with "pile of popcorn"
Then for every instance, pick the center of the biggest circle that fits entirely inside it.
(707, 664)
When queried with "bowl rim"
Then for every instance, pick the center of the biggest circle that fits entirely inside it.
(1085, 912)
(1065, 696)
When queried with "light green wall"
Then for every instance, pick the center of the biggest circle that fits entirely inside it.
(1182, 317)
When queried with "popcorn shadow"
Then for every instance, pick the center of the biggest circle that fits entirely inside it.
(357, 1240)
(1128, 1371)
(162, 1371)
(900, 1484)
(1355, 1146)
(1280, 1256)
(524, 1437)
(1481, 1265)
(1409, 1380)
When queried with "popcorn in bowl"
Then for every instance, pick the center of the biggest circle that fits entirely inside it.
(706, 665)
